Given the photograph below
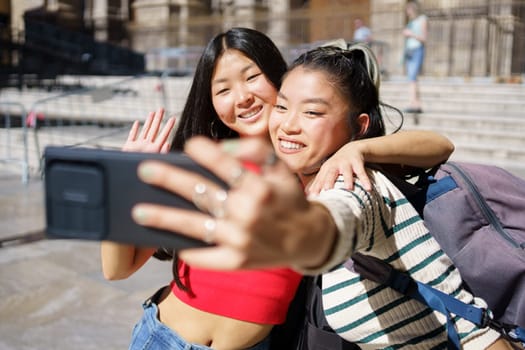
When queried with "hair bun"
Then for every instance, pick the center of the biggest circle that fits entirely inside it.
(369, 61)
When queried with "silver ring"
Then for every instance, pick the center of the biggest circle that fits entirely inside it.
(236, 175)
(218, 204)
(209, 230)
(200, 196)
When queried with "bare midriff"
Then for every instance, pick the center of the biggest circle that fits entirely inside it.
(200, 327)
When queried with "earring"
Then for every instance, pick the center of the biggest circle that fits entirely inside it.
(213, 133)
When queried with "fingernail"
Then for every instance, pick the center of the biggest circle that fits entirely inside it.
(139, 215)
(146, 172)
(230, 146)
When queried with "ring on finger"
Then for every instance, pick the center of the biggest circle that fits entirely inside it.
(210, 225)
(218, 204)
(236, 176)
(200, 196)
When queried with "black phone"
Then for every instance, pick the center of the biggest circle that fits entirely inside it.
(89, 194)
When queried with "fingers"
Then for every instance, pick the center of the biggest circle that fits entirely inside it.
(325, 179)
(362, 175)
(348, 176)
(151, 125)
(165, 148)
(243, 222)
(190, 223)
(147, 125)
(253, 149)
(173, 179)
(150, 139)
(155, 125)
(133, 131)
(226, 167)
(165, 132)
(230, 247)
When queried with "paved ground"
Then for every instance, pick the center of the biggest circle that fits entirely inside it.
(52, 293)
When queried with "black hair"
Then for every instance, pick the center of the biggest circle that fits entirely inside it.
(199, 117)
(354, 71)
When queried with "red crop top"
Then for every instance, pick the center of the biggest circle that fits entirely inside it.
(260, 296)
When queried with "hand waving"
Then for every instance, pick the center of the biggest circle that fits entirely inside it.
(149, 140)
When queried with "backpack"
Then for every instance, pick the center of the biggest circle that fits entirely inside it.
(477, 214)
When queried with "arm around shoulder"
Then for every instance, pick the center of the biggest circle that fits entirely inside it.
(416, 148)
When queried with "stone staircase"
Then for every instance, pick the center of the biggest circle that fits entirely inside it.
(485, 120)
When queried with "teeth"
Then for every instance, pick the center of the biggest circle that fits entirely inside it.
(250, 113)
(290, 145)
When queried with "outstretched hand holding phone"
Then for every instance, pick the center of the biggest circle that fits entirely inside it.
(265, 220)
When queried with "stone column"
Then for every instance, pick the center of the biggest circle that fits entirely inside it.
(100, 20)
(238, 13)
(278, 26)
(160, 24)
(387, 19)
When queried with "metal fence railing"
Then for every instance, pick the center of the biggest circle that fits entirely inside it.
(98, 114)
(13, 131)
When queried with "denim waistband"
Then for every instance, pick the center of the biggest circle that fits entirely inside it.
(170, 336)
(163, 333)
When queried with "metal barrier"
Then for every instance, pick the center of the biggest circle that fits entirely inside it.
(100, 113)
(14, 147)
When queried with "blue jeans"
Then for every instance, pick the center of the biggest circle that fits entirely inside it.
(414, 61)
(151, 334)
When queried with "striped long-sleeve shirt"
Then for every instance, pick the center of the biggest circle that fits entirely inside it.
(382, 223)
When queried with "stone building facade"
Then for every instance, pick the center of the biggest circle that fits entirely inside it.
(466, 37)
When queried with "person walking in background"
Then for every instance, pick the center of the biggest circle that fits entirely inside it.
(415, 34)
(362, 34)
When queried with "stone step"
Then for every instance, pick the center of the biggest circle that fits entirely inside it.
(401, 93)
(430, 84)
(147, 95)
(459, 96)
(473, 106)
(511, 139)
(466, 122)
(493, 151)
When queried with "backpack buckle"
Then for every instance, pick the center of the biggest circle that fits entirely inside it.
(507, 331)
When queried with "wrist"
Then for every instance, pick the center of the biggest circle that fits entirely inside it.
(322, 236)
(363, 147)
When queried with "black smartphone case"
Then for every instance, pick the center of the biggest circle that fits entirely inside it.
(89, 194)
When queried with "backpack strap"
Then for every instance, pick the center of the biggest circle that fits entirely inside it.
(316, 332)
(379, 271)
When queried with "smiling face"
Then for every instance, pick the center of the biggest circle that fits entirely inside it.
(309, 121)
(242, 95)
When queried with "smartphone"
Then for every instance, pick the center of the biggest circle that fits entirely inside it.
(89, 194)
